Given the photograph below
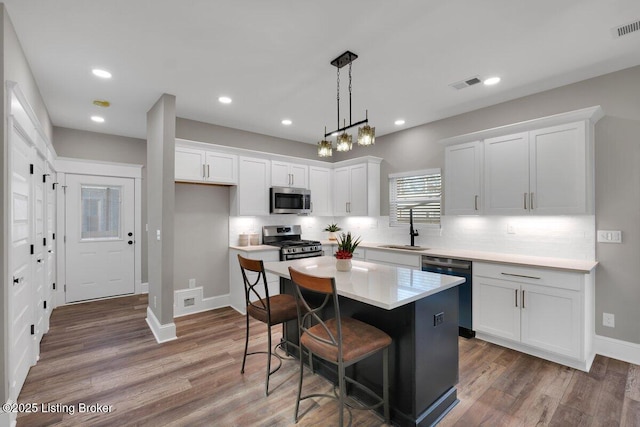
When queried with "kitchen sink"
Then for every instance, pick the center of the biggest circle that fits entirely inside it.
(405, 247)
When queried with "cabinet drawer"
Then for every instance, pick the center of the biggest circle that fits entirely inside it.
(533, 275)
(394, 258)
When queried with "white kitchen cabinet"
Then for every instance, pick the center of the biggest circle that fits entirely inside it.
(205, 166)
(542, 171)
(543, 312)
(396, 258)
(251, 196)
(320, 186)
(463, 179)
(356, 189)
(284, 174)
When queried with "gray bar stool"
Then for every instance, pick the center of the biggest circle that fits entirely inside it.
(271, 310)
(340, 341)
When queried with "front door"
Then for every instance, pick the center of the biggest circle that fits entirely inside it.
(99, 237)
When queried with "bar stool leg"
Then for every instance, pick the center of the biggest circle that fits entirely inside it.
(295, 417)
(385, 384)
(266, 387)
(342, 391)
(246, 345)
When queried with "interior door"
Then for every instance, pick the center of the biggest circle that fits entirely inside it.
(99, 237)
(39, 236)
(20, 289)
(50, 264)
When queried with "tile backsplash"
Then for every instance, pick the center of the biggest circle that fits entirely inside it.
(571, 237)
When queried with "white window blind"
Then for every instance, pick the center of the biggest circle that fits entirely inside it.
(418, 190)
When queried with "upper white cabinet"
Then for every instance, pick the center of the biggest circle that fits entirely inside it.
(320, 187)
(205, 166)
(284, 174)
(542, 167)
(251, 196)
(356, 188)
(463, 179)
(540, 172)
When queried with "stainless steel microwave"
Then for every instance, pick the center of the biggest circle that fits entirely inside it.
(288, 200)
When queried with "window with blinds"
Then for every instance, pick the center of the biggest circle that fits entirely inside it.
(417, 190)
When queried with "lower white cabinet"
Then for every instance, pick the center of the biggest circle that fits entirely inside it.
(236, 283)
(543, 312)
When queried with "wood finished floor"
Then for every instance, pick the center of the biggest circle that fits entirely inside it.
(103, 352)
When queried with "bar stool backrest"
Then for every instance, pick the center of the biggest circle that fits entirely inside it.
(254, 288)
(308, 315)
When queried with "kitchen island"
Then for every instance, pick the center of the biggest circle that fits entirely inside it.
(419, 310)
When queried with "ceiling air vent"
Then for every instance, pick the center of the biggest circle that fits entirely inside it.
(623, 30)
(465, 83)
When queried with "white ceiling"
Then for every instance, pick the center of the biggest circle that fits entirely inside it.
(273, 57)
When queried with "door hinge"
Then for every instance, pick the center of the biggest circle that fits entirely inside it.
(33, 329)
(44, 241)
(53, 236)
(31, 168)
(45, 305)
(54, 286)
(65, 287)
(33, 249)
(64, 239)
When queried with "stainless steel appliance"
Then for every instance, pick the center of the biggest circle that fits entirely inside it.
(461, 268)
(288, 239)
(288, 200)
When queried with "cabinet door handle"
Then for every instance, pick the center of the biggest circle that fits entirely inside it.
(520, 275)
(475, 202)
(525, 201)
(516, 292)
(208, 174)
(531, 200)
(523, 298)
(204, 175)
(311, 206)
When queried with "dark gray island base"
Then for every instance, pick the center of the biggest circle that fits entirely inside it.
(423, 358)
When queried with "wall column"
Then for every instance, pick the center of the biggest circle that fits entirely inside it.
(161, 135)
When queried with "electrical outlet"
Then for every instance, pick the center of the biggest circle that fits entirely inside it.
(511, 229)
(608, 320)
(192, 283)
(438, 319)
(609, 236)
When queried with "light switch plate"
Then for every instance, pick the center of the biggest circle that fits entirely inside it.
(609, 236)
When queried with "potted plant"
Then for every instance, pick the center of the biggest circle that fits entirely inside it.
(346, 246)
(332, 229)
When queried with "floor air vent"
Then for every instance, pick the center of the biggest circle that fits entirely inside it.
(626, 29)
(465, 83)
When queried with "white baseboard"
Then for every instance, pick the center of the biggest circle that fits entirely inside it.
(142, 288)
(198, 303)
(163, 333)
(617, 349)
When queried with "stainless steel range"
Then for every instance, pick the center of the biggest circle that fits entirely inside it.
(287, 238)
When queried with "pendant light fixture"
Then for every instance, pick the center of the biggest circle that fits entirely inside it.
(366, 134)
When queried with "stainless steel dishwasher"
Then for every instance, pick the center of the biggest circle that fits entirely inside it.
(461, 268)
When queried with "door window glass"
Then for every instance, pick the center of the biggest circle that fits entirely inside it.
(101, 212)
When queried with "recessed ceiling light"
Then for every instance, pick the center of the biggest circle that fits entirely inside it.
(399, 122)
(97, 119)
(286, 122)
(101, 73)
(492, 81)
(224, 100)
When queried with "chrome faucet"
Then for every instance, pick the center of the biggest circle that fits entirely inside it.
(412, 232)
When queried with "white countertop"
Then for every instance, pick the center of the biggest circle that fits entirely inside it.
(255, 248)
(380, 285)
(574, 265)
